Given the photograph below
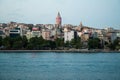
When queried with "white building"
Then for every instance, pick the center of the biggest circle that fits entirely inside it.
(2, 34)
(118, 34)
(79, 34)
(28, 34)
(46, 34)
(113, 36)
(35, 32)
(14, 32)
(69, 35)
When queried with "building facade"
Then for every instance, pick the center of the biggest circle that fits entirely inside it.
(69, 35)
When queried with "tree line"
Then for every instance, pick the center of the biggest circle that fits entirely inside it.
(38, 43)
(35, 43)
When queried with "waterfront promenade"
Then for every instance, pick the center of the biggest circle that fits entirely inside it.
(60, 51)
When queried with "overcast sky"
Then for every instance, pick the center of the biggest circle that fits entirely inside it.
(94, 13)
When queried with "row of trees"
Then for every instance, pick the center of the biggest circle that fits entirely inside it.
(115, 45)
(38, 43)
(96, 43)
(13, 43)
(35, 43)
(74, 43)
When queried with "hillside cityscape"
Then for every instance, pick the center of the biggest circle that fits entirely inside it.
(22, 36)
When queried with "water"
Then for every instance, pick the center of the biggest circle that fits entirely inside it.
(59, 66)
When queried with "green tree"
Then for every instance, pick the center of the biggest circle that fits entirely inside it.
(24, 42)
(1, 40)
(73, 43)
(51, 44)
(17, 45)
(115, 45)
(76, 43)
(67, 44)
(36, 43)
(33, 43)
(7, 42)
(94, 43)
(59, 42)
(17, 42)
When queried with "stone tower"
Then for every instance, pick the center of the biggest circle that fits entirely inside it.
(58, 19)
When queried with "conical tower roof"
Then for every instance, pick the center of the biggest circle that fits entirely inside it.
(58, 14)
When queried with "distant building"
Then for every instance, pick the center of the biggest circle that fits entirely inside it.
(113, 36)
(79, 28)
(85, 37)
(6, 31)
(12, 25)
(79, 33)
(109, 29)
(46, 34)
(94, 35)
(14, 32)
(3, 25)
(118, 34)
(28, 34)
(69, 35)
(49, 26)
(35, 32)
(22, 30)
(58, 20)
(2, 34)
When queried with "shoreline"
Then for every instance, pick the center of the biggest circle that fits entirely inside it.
(58, 51)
